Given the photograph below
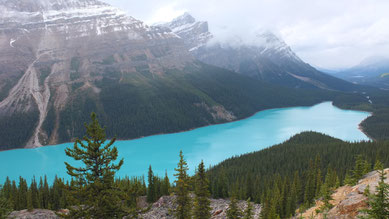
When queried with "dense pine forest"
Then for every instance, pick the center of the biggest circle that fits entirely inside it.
(293, 174)
(180, 100)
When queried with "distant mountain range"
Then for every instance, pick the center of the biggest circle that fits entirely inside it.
(62, 59)
(372, 71)
(266, 58)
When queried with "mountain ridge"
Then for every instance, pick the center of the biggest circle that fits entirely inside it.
(371, 71)
(265, 57)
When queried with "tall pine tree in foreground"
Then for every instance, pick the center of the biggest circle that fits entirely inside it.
(202, 208)
(94, 188)
(183, 201)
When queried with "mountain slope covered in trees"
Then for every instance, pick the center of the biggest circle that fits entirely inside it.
(291, 174)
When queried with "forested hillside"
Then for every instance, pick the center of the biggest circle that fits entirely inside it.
(292, 174)
(375, 101)
(136, 105)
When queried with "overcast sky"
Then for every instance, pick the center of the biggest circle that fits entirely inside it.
(325, 33)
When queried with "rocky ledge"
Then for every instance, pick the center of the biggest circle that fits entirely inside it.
(349, 200)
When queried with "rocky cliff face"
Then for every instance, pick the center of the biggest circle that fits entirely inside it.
(349, 200)
(48, 46)
(266, 57)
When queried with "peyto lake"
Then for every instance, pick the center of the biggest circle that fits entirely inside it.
(212, 144)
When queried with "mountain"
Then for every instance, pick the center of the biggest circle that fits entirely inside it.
(51, 49)
(372, 71)
(62, 59)
(266, 57)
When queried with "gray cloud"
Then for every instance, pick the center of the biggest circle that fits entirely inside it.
(326, 33)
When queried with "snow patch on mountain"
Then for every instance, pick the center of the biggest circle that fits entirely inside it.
(197, 35)
(91, 17)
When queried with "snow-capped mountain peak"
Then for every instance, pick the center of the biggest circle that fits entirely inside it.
(259, 54)
(182, 20)
(195, 33)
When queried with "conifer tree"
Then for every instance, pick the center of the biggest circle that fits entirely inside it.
(359, 168)
(166, 185)
(366, 192)
(94, 181)
(310, 186)
(366, 167)
(44, 193)
(348, 180)
(183, 202)
(5, 207)
(248, 212)
(15, 196)
(29, 200)
(221, 186)
(6, 190)
(151, 193)
(233, 211)
(378, 165)
(326, 193)
(379, 202)
(318, 182)
(34, 194)
(22, 193)
(202, 208)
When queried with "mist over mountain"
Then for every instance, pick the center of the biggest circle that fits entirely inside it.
(263, 56)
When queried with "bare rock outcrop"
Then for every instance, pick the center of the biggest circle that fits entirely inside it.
(349, 200)
(163, 208)
(34, 214)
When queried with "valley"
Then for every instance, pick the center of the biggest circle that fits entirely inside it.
(95, 106)
(212, 144)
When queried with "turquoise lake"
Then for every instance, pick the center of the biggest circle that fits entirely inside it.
(212, 144)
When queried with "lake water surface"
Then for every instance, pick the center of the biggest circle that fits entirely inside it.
(211, 144)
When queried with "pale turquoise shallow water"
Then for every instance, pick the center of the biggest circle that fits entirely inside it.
(212, 144)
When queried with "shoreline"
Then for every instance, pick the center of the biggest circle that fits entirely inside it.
(360, 127)
(214, 124)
